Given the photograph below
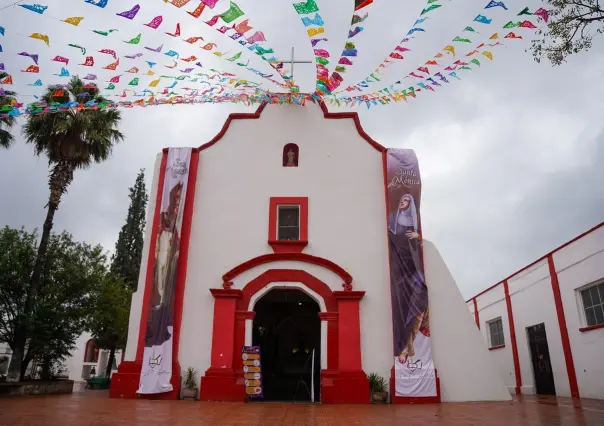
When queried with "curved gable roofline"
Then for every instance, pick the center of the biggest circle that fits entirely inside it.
(326, 114)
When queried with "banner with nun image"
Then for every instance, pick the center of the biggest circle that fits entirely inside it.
(413, 365)
(157, 358)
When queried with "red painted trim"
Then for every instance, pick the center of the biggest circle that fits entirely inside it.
(287, 246)
(225, 293)
(151, 260)
(326, 114)
(278, 257)
(227, 124)
(355, 117)
(516, 358)
(349, 295)
(568, 354)
(578, 237)
(181, 272)
(492, 348)
(476, 313)
(591, 327)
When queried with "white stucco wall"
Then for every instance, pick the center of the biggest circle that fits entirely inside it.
(74, 364)
(342, 176)
(578, 265)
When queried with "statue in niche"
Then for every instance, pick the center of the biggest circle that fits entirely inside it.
(290, 155)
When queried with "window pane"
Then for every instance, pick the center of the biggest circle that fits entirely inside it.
(595, 299)
(289, 216)
(500, 326)
(288, 233)
(493, 328)
(585, 294)
(599, 314)
(601, 292)
(590, 316)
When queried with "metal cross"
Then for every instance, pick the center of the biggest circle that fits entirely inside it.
(292, 61)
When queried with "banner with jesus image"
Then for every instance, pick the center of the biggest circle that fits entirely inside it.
(413, 364)
(157, 358)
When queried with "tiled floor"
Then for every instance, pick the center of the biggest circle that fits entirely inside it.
(95, 408)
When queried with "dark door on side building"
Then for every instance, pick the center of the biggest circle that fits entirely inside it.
(542, 366)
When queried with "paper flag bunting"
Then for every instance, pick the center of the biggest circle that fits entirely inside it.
(525, 11)
(155, 23)
(64, 73)
(158, 50)
(493, 3)
(317, 20)
(172, 53)
(359, 4)
(130, 14)
(35, 8)
(100, 3)
(304, 8)
(315, 31)
(115, 79)
(77, 46)
(113, 66)
(354, 32)
(154, 83)
(175, 33)
(75, 20)
(32, 68)
(179, 3)
(150, 73)
(209, 46)
(1, 30)
(151, 64)
(482, 19)
(89, 62)
(210, 3)
(469, 29)
(462, 40)
(42, 37)
(356, 19)
(512, 24)
(61, 59)
(133, 70)
(136, 55)
(110, 87)
(197, 12)
(37, 83)
(542, 13)
(475, 61)
(171, 67)
(257, 37)
(232, 13)
(189, 59)
(34, 57)
(135, 40)
(242, 27)
(527, 24)
(488, 55)
(192, 40)
(450, 49)
(90, 77)
(7, 80)
(109, 52)
(103, 33)
(512, 35)
(430, 8)
(134, 82)
(495, 36)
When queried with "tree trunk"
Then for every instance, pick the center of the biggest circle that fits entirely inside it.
(110, 362)
(60, 178)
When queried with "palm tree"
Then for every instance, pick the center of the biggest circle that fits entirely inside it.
(71, 139)
(6, 138)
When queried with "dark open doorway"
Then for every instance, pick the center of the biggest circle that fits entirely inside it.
(287, 328)
(542, 366)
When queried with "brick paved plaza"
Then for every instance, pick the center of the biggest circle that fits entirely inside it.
(95, 408)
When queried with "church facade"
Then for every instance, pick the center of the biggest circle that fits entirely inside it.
(283, 242)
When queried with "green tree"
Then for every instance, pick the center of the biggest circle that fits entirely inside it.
(571, 28)
(6, 123)
(71, 140)
(70, 275)
(129, 247)
(109, 315)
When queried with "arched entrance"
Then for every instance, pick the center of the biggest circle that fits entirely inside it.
(287, 328)
(342, 377)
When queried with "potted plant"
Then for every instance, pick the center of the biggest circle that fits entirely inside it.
(379, 394)
(190, 389)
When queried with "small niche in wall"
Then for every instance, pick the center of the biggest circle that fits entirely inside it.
(291, 154)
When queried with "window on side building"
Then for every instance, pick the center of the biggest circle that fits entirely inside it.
(593, 304)
(495, 327)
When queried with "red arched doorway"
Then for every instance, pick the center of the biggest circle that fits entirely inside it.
(343, 381)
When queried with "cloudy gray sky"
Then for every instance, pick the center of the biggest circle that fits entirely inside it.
(511, 155)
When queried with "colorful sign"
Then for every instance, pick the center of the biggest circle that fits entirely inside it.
(252, 371)
(413, 364)
(157, 357)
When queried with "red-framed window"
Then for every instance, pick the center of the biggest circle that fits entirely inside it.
(288, 224)
(291, 154)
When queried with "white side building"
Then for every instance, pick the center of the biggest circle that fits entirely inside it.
(544, 324)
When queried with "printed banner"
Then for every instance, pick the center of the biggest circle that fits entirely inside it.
(252, 371)
(413, 364)
(157, 358)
